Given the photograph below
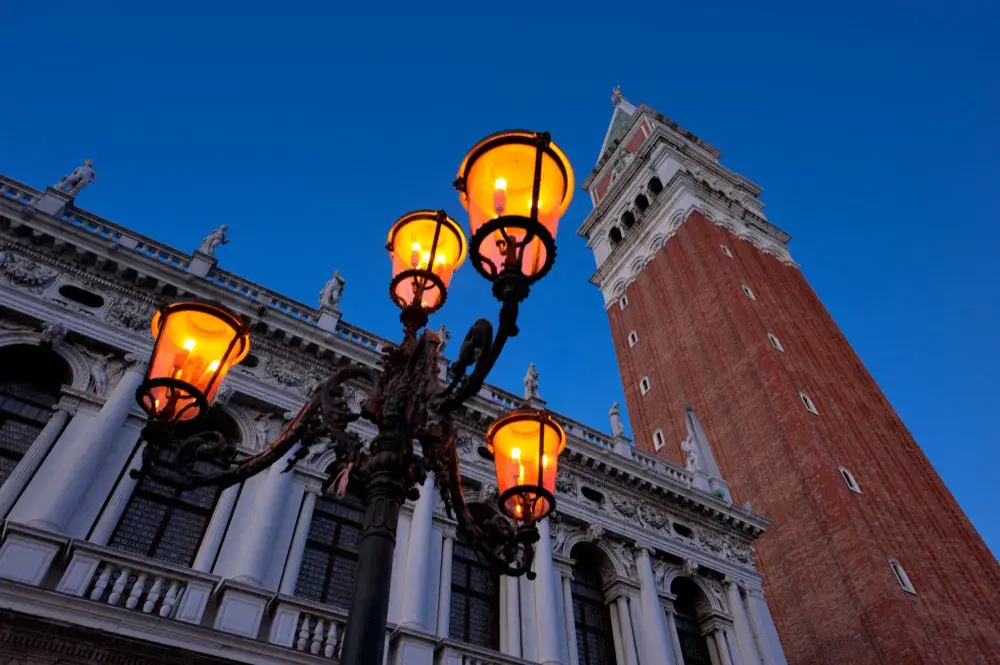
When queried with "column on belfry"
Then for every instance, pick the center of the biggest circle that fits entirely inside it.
(655, 641)
(33, 458)
(76, 465)
(290, 575)
(418, 557)
(444, 592)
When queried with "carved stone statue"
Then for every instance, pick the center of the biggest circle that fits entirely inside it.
(691, 460)
(262, 427)
(531, 382)
(444, 335)
(81, 176)
(53, 332)
(332, 291)
(689, 568)
(560, 533)
(660, 570)
(594, 533)
(211, 242)
(99, 370)
(617, 429)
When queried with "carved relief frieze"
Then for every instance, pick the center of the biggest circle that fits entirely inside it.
(130, 314)
(25, 272)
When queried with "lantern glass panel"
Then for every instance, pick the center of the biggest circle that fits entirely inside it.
(413, 247)
(526, 448)
(196, 346)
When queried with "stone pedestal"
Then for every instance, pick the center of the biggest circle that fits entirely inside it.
(622, 446)
(201, 264)
(241, 608)
(329, 317)
(27, 553)
(54, 202)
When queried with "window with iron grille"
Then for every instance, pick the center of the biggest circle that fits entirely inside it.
(594, 641)
(30, 383)
(475, 600)
(163, 522)
(330, 558)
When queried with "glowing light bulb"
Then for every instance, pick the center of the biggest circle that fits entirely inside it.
(415, 255)
(214, 365)
(189, 345)
(500, 196)
(425, 260)
(515, 453)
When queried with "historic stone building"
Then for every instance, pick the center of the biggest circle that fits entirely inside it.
(869, 558)
(644, 563)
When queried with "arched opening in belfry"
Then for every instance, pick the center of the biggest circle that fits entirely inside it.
(31, 379)
(615, 236)
(591, 616)
(641, 202)
(162, 522)
(654, 186)
(690, 604)
(628, 219)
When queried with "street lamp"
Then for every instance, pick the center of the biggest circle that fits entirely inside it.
(515, 185)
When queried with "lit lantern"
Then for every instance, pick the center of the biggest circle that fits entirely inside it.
(426, 248)
(515, 185)
(196, 344)
(526, 444)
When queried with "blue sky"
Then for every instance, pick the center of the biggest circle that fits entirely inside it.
(871, 126)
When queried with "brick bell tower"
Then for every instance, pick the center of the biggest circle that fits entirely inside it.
(869, 559)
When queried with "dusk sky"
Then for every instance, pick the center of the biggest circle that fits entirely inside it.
(872, 127)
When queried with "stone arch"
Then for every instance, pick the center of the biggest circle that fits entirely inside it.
(600, 549)
(637, 266)
(78, 365)
(676, 218)
(628, 219)
(248, 437)
(654, 185)
(619, 288)
(675, 573)
(615, 236)
(641, 202)
(657, 243)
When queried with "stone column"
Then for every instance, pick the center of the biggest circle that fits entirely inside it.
(675, 639)
(510, 617)
(418, 558)
(758, 605)
(397, 586)
(33, 458)
(257, 540)
(77, 464)
(529, 624)
(211, 542)
(760, 640)
(721, 647)
(116, 505)
(628, 637)
(742, 630)
(546, 599)
(290, 575)
(572, 649)
(444, 591)
(636, 614)
(655, 642)
(616, 633)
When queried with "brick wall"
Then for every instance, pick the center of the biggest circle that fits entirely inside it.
(834, 597)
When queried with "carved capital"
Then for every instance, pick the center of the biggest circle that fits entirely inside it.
(594, 533)
(135, 362)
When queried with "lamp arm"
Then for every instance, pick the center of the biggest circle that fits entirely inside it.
(481, 348)
(323, 419)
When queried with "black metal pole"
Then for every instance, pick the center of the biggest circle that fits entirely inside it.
(364, 637)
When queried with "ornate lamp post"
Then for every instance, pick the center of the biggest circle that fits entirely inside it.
(515, 186)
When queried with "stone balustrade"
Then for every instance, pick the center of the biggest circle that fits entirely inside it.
(119, 579)
(16, 191)
(307, 626)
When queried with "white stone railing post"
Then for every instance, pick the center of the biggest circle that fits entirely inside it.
(34, 457)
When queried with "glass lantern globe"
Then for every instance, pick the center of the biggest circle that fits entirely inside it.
(426, 248)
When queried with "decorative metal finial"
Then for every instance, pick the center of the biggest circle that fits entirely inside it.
(616, 95)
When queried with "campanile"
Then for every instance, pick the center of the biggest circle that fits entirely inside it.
(869, 559)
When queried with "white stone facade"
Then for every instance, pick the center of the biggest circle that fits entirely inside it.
(67, 499)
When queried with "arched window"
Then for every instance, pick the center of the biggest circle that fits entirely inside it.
(901, 576)
(641, 202)
(163, 522)
(30, 381)
(654, 186)
(658, 439)
(628, 219)
(475, 599)
(330, 558)
(850, 480)
(615, 236)
(633, 339)
(644, 385)
(594, 641)
(688, 606)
